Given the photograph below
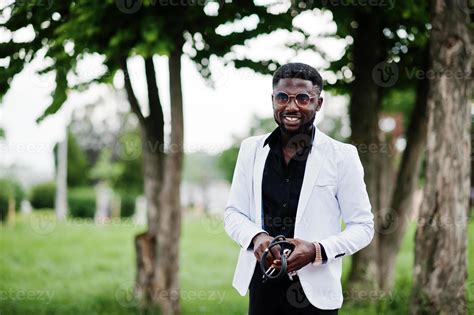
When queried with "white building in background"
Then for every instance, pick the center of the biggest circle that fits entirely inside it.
(210, 198)
(140, 217)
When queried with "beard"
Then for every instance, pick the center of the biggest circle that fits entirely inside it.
(305, 128)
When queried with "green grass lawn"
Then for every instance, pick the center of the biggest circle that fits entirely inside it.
(80, 268)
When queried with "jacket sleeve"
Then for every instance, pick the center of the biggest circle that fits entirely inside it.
(355, 208)
(237, 219)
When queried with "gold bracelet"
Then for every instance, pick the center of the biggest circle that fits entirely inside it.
(318, 260)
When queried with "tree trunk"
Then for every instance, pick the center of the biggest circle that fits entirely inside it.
(153, 167)
(364, 109)
(157, 281)
(60, 203)
(394, 221)
(441, 239)
(167, 263)
(145, 244)
(152, 135)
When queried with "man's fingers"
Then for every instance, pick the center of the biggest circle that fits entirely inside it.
(276, 267)
(291, 259)
(291, 269)
(269, 259)
(292, 262)
(289, 265)
(293, 266)
(259, 252)
(275, 251)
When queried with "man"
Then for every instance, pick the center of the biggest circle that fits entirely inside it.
(297, 182)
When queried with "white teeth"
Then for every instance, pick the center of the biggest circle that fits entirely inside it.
(292, 118)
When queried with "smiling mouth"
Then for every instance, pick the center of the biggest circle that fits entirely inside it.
(291, 118)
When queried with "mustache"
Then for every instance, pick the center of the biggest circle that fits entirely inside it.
(304, 128)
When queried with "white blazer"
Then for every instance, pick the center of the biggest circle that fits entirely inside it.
(333, 188)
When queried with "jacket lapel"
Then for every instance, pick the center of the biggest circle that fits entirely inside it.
(313, 167)
(260, 158)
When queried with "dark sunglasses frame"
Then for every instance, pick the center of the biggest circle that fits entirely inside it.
(289, 96)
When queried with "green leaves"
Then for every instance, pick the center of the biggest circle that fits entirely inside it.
(59, 94)
(101, 27)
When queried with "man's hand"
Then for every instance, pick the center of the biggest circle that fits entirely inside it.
(303, 254)
(261, 242)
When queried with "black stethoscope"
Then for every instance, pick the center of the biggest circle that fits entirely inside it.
(286, 248)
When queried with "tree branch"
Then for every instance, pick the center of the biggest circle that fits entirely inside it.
(156, 111)
(132, 99)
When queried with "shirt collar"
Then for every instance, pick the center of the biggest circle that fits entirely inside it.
(274, 138)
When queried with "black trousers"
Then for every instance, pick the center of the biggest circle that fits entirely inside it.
(283, 297)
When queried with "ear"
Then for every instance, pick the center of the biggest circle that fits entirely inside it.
(320, 104)
(273, 103)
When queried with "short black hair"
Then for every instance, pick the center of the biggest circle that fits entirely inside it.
(297, 70)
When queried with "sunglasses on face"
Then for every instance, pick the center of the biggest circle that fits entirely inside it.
(302, 99)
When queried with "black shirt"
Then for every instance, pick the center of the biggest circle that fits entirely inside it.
(281, 184)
